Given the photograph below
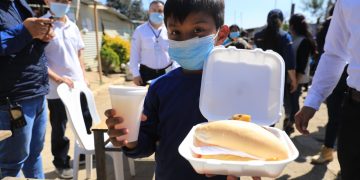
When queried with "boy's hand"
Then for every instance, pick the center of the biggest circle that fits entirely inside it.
(222, 35)
(116, 135)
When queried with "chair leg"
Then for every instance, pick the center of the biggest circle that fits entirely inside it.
(131, 166)
(76, 162)
(88, 165)
(117, 158)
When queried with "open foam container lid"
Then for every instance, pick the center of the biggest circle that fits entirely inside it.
(238, 81)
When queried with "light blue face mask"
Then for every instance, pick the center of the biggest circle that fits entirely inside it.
(59, 9)
(156, 18)
(234, 35)
(191, 54)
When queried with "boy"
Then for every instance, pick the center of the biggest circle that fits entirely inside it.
(65, 65)
(171, 107)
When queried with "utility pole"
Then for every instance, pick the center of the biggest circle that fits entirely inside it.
(97, 41)
(292, 9)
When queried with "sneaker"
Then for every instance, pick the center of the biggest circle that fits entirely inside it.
(65, 173)
(325, 155)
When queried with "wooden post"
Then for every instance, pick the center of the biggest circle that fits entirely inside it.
(97, 42)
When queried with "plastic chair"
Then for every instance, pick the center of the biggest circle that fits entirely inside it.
(84, 141)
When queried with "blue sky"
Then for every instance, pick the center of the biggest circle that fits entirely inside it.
(253, 13)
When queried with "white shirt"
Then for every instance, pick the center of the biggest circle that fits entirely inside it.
(62, 53)
(342, 46)
(148, 50)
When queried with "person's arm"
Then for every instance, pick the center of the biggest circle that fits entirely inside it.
(332, 62)
(80, 50)
(148, 136)
(290, 60)
(58, 79)
(14, 39)
(135, 53)
(303, 54)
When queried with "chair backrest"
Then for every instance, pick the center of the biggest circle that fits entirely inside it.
(71, 99)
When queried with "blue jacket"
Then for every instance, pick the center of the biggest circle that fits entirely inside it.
(172, 108)
(23, 69)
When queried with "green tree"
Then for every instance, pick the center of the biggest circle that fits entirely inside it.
(315, 7)
(122, 6)
(136, 11)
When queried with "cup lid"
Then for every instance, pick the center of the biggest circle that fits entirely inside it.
(237, 81)
(127, 90)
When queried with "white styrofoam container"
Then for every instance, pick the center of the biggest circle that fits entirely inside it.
(239, 168)
(243, 81)
(247, 82)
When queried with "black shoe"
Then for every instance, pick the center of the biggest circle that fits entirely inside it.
(288, 126)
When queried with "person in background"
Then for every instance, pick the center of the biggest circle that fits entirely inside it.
(304, 47)
(65, 65)
(333, 103)
(341, 48)
(234, 38)
(273, 38)
(149, 56)
(23, 86)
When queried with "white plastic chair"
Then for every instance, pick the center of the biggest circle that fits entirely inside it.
(84, 141)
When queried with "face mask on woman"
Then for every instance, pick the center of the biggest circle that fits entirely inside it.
(59, 9)
(191, 54)
(234, 35)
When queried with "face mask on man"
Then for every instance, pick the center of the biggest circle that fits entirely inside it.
(59, 9)
(234, 35)
(191, 54)
(156, 18)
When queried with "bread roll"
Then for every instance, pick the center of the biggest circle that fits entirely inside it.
(241, 136)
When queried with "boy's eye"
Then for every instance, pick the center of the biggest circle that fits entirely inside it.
(174, 33)
(198, 30)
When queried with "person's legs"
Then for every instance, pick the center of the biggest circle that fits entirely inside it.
(333, 103)
(292, 103)
(86, 113)
(348, 143)
(59, 142)
(16, 150)
(33, 165)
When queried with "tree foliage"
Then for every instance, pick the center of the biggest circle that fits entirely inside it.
(133, 9)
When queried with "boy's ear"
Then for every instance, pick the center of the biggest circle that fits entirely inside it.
(222, 35)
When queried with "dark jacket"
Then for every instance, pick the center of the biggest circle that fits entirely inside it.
(23, 69)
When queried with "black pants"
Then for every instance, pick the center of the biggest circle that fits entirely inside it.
(348, 140)
(334, 103)
(147, 73)
(58, 119)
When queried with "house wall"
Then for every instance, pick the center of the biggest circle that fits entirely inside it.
(113, 25)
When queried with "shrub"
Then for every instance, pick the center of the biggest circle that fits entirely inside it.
(112, 47)
(109, 60)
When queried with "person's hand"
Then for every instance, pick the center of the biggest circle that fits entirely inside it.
(222, 35)
(49, 35)
(38, 27)
(115, 130)
(68, 82)
(302, 119)
(293, 86)
(138, 81)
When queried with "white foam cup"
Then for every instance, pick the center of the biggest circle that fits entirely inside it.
(128, 103)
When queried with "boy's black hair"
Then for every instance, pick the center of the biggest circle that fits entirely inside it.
(155, 2)
(180, 9)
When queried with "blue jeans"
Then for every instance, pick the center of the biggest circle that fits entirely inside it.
(23, 149)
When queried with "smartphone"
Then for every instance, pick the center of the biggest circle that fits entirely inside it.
(17, 116)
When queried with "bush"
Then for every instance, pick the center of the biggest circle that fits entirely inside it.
(109, 60)
(120, 47)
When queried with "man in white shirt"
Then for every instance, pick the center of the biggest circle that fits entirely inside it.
(149, 47)
(65, 65)
(341, 46)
